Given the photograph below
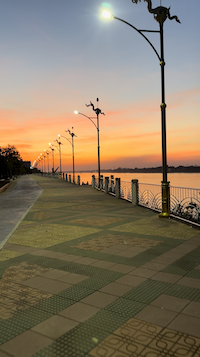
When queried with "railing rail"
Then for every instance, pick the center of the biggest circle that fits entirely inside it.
(184, 201)
(126, 190)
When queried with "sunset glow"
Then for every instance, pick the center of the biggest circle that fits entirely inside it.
(55, 59)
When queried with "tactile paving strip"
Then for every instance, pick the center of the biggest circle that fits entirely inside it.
(185, 264)
(75, 293)
(125, 307)
(147, 291)
(137, 338)
(54, 304)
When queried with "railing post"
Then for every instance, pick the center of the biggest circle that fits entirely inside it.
(63, 176)
(106, 184)
(134, 192)
(101, 182)
(93, 181)
(112, 183)
(66, 177)
(78, 180)
(117, 187)
(70, 179)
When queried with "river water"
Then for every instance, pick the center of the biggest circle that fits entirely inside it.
(190, 180)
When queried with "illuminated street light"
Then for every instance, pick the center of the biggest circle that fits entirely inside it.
(160, 15)
(106, 14)
(41, 158)
(72, 144)
(59, 143)
(52, 150)
(47, 152)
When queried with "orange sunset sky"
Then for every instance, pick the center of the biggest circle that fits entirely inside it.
(55, 58)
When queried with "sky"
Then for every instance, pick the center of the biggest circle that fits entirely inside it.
(57, 56)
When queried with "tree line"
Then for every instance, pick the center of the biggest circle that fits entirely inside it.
(11, 163)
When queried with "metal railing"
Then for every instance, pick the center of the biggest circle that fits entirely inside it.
(126, 190)
(184, 202)
(150, 196)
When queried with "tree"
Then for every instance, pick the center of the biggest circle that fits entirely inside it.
(11, 162)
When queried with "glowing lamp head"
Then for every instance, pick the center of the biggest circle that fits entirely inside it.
(75, 112)
(59, 136)
(106, 14)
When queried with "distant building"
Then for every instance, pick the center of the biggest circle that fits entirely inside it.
(27, 164)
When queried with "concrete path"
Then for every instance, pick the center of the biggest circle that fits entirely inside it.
(86, 274)
(14, 204)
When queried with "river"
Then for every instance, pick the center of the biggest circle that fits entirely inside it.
(191, 180)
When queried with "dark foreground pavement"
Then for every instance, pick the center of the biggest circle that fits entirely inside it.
(86, 274)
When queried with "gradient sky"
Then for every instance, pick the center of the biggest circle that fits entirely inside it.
(55, 56)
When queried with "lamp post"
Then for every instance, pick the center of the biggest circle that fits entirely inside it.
(160, 15)
(52, 151)
(59, 143)
(44, 160)
(41, 158)
(47, 153)
(97, 111)
(72, 144)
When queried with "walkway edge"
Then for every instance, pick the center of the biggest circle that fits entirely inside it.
(18, 223)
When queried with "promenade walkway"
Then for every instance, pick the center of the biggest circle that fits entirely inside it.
(86, 274)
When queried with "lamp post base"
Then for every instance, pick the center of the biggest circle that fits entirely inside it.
(165, 200)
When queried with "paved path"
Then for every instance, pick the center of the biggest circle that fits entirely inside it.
(86, 274)
(15, 203)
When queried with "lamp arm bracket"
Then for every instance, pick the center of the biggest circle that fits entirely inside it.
(140, 32)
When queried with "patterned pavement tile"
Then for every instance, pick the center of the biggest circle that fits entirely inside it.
(7, 254)
(47, 235)
(97, 221)
(16, 297)
(137, 338)
(156, 227)
(110, 240)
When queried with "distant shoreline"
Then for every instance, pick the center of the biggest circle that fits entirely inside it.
(151, 170)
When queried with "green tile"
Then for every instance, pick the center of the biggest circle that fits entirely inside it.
(184, 292)
(93, 284)
(185, 264)
(106, 320)
(125, 307)
(75, 293)
(148, 291)
(30, 317)
(195, 273)
(9, 330)
(59, 349)
(54, 304)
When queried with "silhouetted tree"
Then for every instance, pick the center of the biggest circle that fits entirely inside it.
(10, 162)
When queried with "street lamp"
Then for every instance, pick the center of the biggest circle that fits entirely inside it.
(160, 15)
(72, 144)
(52, 151)
(41, 158)
(44, 160)
(97, 111)
(59, 143)
(47, 153)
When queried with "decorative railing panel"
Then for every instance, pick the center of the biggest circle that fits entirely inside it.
(185, 203)
(150, 196)
(126, 190)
